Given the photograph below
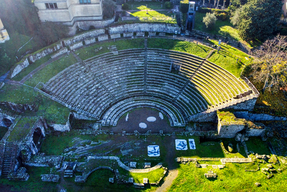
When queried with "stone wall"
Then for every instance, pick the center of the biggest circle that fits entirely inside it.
(40, 54)
(144, 27)
(22, 65)
(204, 117)
(60, 52)
(82, 37)
(19, 108)
(76, 45)
(228, 127)
(258, 117)
(255, 132)
(85, 25)
(4, 118)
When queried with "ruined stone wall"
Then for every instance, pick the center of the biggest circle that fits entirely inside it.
(144, 27)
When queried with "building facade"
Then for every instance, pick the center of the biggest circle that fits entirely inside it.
(4, 36)
(69, 11)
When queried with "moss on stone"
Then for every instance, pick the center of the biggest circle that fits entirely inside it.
(227, 117)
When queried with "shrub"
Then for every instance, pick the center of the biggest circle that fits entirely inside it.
(125, 6)
(184, 6)
(167, 4)
(222, 16)
(209, 20)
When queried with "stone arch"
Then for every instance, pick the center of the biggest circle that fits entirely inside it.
(7, 122)
(38, 137)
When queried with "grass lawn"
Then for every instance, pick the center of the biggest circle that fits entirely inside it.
(256, 145)
(64, 140)
(155, 16)
(223, 28)
(182, 46)
(3, 130)
(205, 149)
(30, 68)
(51, 70)
(145, 5)
(52, 111)
(232, 178)
(34, 183)
(152, 176)
(22, 128)
(89, 51)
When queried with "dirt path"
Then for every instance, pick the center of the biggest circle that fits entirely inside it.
(172, 166)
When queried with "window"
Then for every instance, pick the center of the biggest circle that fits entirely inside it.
(51, 5)
(85, 1)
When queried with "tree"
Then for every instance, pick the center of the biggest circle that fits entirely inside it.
(270, 64)
(109, 8)
(259, 19)
(209, 20)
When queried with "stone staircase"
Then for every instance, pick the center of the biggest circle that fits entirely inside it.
(9, 159)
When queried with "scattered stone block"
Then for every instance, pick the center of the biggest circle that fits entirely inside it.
(111, 180)
(210, 175)
(145, 181)
(147, 165)
(214, 166)
(98, 49)
(161, 34)
(20, 175)
(221, 166)
(133, 164)
(257, 184)
(152, 34)
(131, 180)
(50, 178)
(60, 52)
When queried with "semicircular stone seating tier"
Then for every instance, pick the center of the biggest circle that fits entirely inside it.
(107, 85)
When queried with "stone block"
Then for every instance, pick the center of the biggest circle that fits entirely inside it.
(131, 34)
(161, 34)
(140, 34)
(76, 45)
(103, 37)
(152, 34)
(115, 36)
(145, 181)
(60, 52)
(133, 164)
(50, 178)
(90, 41)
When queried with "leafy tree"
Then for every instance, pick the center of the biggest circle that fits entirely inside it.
(209, 20)
(258, 19)
(109, 7)
(270, 65)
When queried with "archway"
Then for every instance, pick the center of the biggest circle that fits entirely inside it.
(7, 122)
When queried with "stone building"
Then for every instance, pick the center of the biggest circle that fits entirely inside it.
(69, 11)
(4, 36)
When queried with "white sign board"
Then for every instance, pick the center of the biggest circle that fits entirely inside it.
(180, 144)
(153, 151)
(191, 144)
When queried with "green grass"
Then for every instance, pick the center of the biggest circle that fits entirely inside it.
(89, 51)
(256, 145)
(34, 183)
(224, 28)
(206, 149)
(30, 68)
(55, 144)
(145, 5)
(99, 181)
(182, 46)
(153, 176)
(51, 70)
(3, 130)
(19, 94)
(155, 16)
(232, 178)
(22, 128)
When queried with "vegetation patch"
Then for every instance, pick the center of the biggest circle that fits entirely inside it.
(22, 128)
(232, 178)
(51, 70)
(155, 16)
(3, 130)
(226, 117)
(182, 46)
(89, 51)
(256, 145)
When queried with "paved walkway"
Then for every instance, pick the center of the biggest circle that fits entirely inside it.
(172, 166)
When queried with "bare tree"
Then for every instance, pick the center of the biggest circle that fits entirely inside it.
(214, 3)
(217, 4)
(223, 6)
(270, 64)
